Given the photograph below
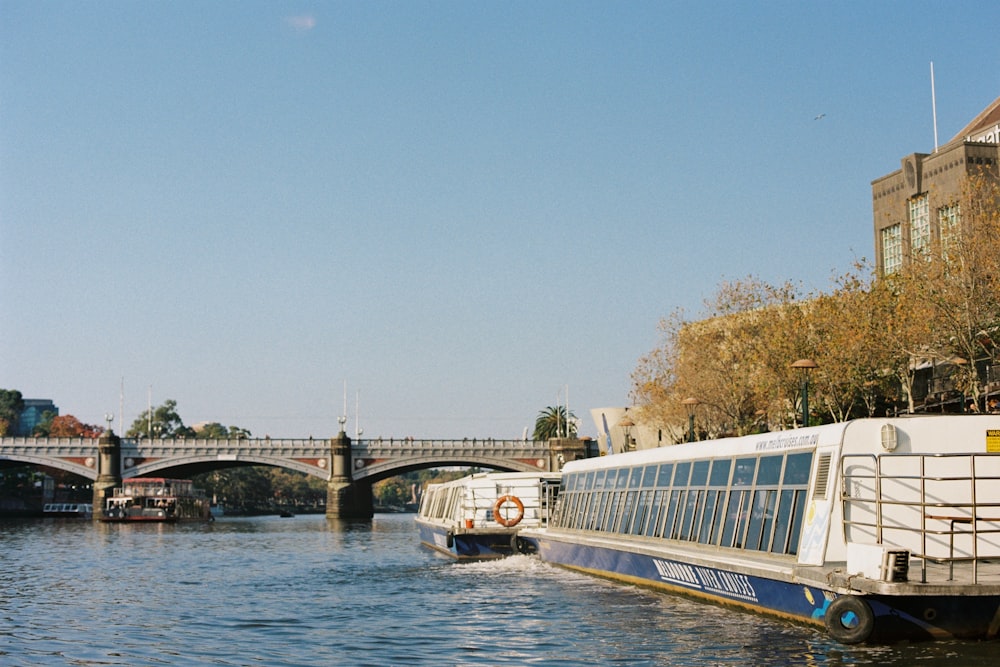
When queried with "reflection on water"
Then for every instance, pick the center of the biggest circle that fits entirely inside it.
(307, 591)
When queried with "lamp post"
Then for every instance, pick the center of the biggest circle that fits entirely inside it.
(626, 423)
(804, 366)
(690, 404)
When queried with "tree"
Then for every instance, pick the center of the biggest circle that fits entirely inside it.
(552, 423)
(11, 406)
(68, 426)
(163, 423)
(216, 431)
(958, 280)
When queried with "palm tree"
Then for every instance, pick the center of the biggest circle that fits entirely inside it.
(552, 423)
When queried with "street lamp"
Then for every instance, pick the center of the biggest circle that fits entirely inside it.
(690, 404)
(626, 423)
(805, 365)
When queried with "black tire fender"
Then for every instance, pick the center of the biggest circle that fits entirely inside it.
(849, 619)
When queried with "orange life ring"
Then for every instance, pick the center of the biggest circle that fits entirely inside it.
(508, 522)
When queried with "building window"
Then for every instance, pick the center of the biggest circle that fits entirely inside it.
(948, 219)
(892, 249)
(920, 226)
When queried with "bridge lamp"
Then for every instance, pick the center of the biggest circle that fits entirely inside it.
(804, 366)
(690, 404)
(109, 417)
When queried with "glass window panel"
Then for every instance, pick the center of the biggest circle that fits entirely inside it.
(623, 478)
(781, 521)
(797, 469)
(629, 506)
(649, 477)
(641, 512)
(769, 470)
(758, 510)
(765, 532)
(672, 506)
(699, 473)
(732, 534)
(656, 509)
(611, 479)
(743, 475)
(720, 472)
(690, 512)
(720, 512)
(666, 472)
(793, 538)
(705, 534)
(682, 473)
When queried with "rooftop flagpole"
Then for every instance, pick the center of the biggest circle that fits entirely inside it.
(934, 108)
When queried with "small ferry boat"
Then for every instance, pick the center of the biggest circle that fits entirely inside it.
(478, 517)
(68, 510)
(156, 499)
(876, 529)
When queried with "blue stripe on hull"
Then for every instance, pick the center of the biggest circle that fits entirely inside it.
(902, 617)
(466, 546)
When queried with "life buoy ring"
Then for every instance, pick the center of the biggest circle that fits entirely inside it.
(508, 521)
(849, 619)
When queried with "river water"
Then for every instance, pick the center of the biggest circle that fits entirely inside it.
(308, 591)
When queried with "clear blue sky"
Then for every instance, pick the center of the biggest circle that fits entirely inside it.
(460, 208)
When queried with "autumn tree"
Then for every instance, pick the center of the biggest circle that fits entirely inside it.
(68, 426)
(958, 281)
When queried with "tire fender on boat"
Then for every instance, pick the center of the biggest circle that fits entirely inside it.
(449, 540)
(511, 521)
(849, 619)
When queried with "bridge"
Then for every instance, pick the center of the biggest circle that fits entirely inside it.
(350, 468)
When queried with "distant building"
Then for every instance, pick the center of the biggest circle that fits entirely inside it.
(915, 206)
(31, 415)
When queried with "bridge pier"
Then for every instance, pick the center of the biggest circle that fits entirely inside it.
(564, 450)
(345, 498)
(109, 470)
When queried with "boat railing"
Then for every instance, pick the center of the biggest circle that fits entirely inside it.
(942, 508)
(538, 502)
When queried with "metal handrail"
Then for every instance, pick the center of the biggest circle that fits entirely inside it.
(967, 510)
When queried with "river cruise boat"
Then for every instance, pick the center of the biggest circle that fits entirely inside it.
(876, 529)
(68, 510)
(156, 499)
(478, 517)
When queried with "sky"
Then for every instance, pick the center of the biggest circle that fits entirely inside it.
(446, 215)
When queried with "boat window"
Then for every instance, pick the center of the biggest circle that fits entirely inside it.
(761, 509)
(588, 481)
(623, 477)
(782, 521)
(649, 477)
(682, 474)
(720, 472)
(705, 532)
(671, 527)
(641, 512)
(666, 472)
(797, 468)
(799, 508)
(699, 473)
(743, 475)
(769, 469)
(655, 511)
(627, 510)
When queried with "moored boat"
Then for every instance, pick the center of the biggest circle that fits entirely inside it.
(156, 499)
(479, 517)
(68, 510)
(876, 529)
